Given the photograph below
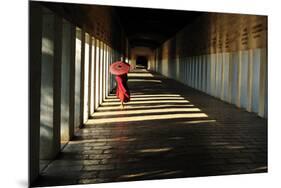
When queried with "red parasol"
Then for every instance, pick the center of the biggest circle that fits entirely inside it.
(119, 67)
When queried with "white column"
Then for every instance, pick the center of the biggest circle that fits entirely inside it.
(78, 53)
(86, 77)
(97, 73)
(65, 81)
(93, 58)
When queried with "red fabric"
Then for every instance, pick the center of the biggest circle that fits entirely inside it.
(122, 90)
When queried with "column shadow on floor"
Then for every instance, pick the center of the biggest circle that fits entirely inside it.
(167, 130)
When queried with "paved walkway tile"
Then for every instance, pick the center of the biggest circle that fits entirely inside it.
(167, 130)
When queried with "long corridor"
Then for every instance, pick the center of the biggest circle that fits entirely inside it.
(167, 130)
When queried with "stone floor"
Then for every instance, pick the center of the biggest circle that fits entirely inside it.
(168, 130)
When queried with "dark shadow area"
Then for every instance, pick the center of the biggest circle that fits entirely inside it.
(141, 62)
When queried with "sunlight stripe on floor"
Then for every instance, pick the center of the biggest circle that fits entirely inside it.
(145, 117)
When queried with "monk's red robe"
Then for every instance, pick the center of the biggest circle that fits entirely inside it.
(122, 90)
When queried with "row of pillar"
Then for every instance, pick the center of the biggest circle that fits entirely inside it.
(239, 77)
(69, 79)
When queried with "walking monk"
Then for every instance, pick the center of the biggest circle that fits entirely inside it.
(120, 69)
(122, 90)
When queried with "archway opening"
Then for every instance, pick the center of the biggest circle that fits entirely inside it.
(141, 62)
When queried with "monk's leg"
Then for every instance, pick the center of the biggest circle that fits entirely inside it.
(122, 105)
(121, 97)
